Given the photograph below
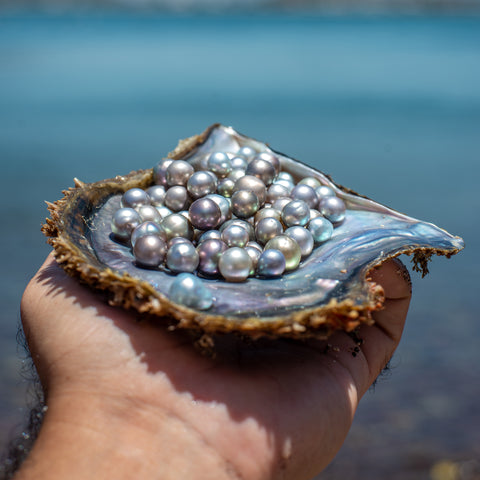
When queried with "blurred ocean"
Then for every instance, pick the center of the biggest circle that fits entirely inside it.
(390, 106)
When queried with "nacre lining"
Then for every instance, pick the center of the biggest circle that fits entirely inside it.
(329, 287)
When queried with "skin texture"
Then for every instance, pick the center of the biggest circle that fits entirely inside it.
(129, 399)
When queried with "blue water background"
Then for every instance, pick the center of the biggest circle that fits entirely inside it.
(389, 106)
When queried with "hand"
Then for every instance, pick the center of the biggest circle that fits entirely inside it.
(129, 399)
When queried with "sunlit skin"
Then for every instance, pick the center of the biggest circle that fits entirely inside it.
(130, 399)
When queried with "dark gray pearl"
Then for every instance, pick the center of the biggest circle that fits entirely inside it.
(219, 163)
(124, 221)
(271, 263)
(176, 198)
(303, 237)
(242, 223)
(176, 225)
(204, 213)
(321, 229)
(178, 173)
(247, 152)
(297, 212)
(148, 213)
(149, 250)
(182, 257)
(225, 187)
(223, 204)
(261, 169)
(252, 184)
(276, 191)
(189, 290)
(156, 194)
(135, 197)
(305, 193)
(332, 208)
(239, 163)
(244, 203)
(209, 234)
(235, 236)
(209, 253)
(266, 229)
(147, 228)
(202, 183)
(160, 171)
(270, 158)
(235, 265)
(324, 191)
(310, 181)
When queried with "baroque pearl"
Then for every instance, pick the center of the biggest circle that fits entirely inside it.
(156, 194)
(176, 225)
(297, 212)
(204, 213)
(209, 253)
(244, 203)
(305, 193)
(235, 236)
(290, 249)
(124, 220)
(149, 250)
(190, 291)
(178, 173)
(135, 197)
(182, 257)
(332, 208)
(176, 198)
(321, 229)
(267, 228)
(219, 163)
(235, 265)
(303, 237)
(202, 183)
(271, 263)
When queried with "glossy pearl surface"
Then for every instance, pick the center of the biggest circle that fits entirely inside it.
(124, 221)
(182, 257)
(252, 184)
(204, 213)
(235, 265)
(148, 213)
(239, 162)
(223, 204)
(156, 194)
(235, 236)
(303, 237)
(254, 255)
(276, 191)
(147, 228)
(176, 198)
(242, 223)
(209, 234)
(285, 176)
(202, 183)
(209, 253)
(189, 290)
(178, 173)
(267, 213)
(271, 263)
(247, 151)
(160, 171)
(176, 225)
(332, 208)
(164, 211)
(270, 158)
(135, 197)
(267, 228)
(321, 229)
(149, 250)
(324, 191)
(261, 169)
(289, 248)
(297, 212)
(310, 181)
(219, 163)
(244, 203)
(305, 193)
(225, 187)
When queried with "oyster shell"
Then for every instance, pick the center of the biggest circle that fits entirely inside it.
(330, 290)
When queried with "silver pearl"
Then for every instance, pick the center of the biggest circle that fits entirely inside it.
(252, 184)
(261, 169)
(149, 213)
(267, 213)
(189, 290)
(176, 198)
(276, 191)
(202, 183)
(209, 235)
(297, 212)
(219, 163)
(149, 250)
(135, 197)
(285, 183)
(164, 211)
(280, 203)
(147, 228)
(204, 213)
(255, 245)
(310, 181)
(332, 208)
(175, 240)
(156, 194)
(247, 152)
(235, 236)
(239, 163)
(178, 173)
(270, 158)
(235, 265)
(321, 229)
(182, 257)
(314, 213)
(176, 225)
(236, 174)
(254, 255)
(244, 203)
(124, 221)
(225, 187)
(324, 191)
(303, 237)
(160, 171)
(271, 263)
(305, 193)
(285, 176)
(266, 229)
(290, 249)
(224, 206)
(242, 223)
(209, 253)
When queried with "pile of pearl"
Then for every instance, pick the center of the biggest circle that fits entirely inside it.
(237, 216)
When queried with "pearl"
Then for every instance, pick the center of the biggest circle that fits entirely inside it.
(156, 194)
(178, 173)
(176, 225)
(202, 183)
(321, 229)
(247, 151)
(261, 169)
(149, 213)
(314, 213)
(236, 174)
(176, 198)
(267, 213)
(305, 193)
(147, 228)
(239, 163)
(332, 208)
(164, 211)
(271, 263)
(270, 158)
(224, 206)
(285, 176)
(285, 183)
(276, 191)
(252, 184)
(149, 250)
(310, 181)
(175, 240)
(255, 245)
(290, 249)
(244, 203)
(204, 213)
(280, 203)
(209, 253)
(219, 163)
(124, 220)
(267, 228)
(235, 236)
(182, 257)
(209, 234)
(297, 212)
(235, 265)
(135, 197)
(303, 237)
(225, 187)
(189, 290)
(242, 223)
(324, 191)
(254, 255)
(160, 171)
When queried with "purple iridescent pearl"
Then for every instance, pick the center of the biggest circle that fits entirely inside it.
(271, 263)
(204, 214)
(209, 253)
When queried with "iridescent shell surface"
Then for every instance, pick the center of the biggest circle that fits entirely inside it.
(330, 290)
